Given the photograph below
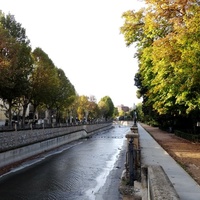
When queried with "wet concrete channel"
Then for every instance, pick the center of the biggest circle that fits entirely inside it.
(87, 169)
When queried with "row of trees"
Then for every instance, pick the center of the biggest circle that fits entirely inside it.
(30, 77)
(86, 108)
(167, 36)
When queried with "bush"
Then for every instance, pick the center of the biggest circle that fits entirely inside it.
(187, 136)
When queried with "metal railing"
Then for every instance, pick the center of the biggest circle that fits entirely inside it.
(133, 160)
(31, 126)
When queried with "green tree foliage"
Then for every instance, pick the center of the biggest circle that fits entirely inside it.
(65, 95)
(31, 78)
(167, 36)
(93, 108)
(140, 114)
(106, 107)
(83, 107)
(116, 112)
(43, 79)
(50, 87)
(16, 63)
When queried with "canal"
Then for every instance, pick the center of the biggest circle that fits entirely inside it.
(87, 169)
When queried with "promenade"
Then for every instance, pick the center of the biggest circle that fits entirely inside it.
(153, 154)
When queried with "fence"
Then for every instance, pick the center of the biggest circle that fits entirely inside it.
(133, 156)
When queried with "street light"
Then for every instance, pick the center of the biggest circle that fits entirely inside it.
(134, 115)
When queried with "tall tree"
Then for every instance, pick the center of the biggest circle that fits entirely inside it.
(167, 37)
(83, 106)
(65, 94)
(16, 62)
(44, 81)
(106, 107)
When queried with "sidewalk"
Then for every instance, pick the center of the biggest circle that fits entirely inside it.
(153, 154)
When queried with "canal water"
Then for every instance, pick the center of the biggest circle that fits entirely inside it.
(80, 170)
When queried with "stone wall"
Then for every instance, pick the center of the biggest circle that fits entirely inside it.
(18, 145)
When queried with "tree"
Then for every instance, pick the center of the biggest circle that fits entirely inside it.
(65, 94)
(167, 37)
(44, 81)
(93, 109)
(106, 107)
(16, 63)
(116, 112)
(83, 107)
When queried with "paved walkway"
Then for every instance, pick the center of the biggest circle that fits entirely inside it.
(153, 154)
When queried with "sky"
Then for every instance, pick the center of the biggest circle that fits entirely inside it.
(83, 38)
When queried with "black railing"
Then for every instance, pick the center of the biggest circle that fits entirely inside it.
(31, 126)
(133, 162)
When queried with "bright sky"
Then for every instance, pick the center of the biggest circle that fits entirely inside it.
(82, 37)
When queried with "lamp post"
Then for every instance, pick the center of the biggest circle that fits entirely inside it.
(134, 115)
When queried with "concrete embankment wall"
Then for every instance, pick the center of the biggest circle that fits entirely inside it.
(159, 185)
(20, 145)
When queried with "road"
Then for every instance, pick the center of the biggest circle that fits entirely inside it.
(87, 169)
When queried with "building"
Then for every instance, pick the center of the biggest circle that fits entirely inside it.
(123, 108)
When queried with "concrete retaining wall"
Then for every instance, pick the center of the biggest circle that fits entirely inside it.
(17, 146)
(159, 185)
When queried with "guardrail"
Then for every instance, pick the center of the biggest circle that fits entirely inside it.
(133, 156)
(151, 182)
(33, 126)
